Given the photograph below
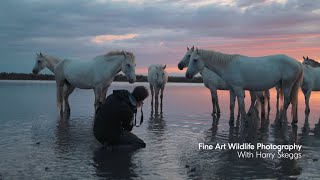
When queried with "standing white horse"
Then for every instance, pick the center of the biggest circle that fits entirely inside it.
(157, 78)
(214, 82)
(44, 61)
(311, 80)
(96, 74)
(252, 73)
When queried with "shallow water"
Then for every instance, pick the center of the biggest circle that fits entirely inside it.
(35, 143)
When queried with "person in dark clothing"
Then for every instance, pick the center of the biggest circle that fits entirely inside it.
(116, 117)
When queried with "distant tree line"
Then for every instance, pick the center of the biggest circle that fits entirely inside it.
(119, 77)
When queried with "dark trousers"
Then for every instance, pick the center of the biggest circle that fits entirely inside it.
(127, 140)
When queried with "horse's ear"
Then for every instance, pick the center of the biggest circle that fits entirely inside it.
(41, 54)
(304, 58)
(307, 57)
(37, 54)
(197, 51)
(192, 48)
(164, 67)
(187, 48)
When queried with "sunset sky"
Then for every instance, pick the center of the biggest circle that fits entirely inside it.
(155, 31)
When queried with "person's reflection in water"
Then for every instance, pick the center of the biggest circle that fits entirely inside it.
(114, 164)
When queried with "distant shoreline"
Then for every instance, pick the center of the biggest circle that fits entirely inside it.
(119, 77)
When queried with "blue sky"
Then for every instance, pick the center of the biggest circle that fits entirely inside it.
(155, 31)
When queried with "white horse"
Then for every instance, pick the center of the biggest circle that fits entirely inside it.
(311, 80)
(96, 74)
(44, 61)
(252, 73)
(214, 82)
(157, 78)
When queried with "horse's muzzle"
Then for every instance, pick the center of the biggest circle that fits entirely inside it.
(34, 71)
(180, 66)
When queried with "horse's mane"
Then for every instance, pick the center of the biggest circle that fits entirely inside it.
(314, 61)
(117, 53)
(217, 57)
(53, 58)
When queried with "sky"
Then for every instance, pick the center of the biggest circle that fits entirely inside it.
(157, 32)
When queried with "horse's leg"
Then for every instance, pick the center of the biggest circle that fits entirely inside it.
(217, 103)
(278, 95)
(161, 95)
(60, 85)
(240, 96)
(214, 101)
(232, 104)
(307, 97)
(67, 93)
(152, 94)
(267, 96)
(156, 97)
(97, 94)
(286, 102)
(262, 101)
(104, 93)
(253, 96)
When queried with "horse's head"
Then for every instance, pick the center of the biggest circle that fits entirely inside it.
(160, 75)
(196, 64)
(311, 62)
(128, 67)
(186, 58)
(39, 64)
(306, 60)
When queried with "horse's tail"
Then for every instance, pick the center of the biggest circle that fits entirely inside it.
(294, 96)
(60, 96)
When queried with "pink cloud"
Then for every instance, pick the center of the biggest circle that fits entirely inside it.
(109, 38)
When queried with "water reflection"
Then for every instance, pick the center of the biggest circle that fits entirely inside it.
(63, 134)
(317, 129)
(114, 164)
(156, 123)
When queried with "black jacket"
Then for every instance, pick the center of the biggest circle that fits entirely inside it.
(113, 116)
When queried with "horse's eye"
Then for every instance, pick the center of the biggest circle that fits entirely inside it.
(128, 65)
(189, 56)
(195, 60)
(39, 61)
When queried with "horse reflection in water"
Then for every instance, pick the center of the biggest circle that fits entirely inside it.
(286, 134)
(156, 123)
(63, 134)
